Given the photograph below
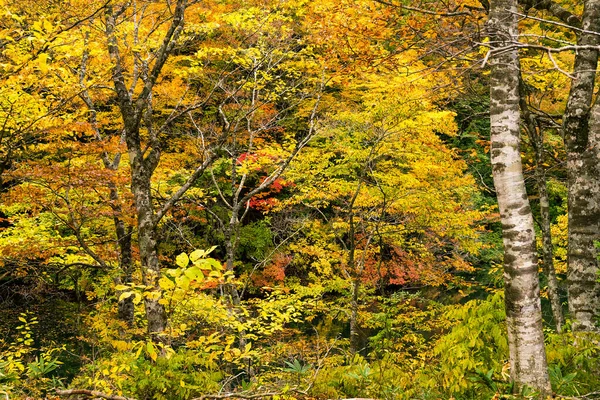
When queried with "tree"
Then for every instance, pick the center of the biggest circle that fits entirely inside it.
(267, 112)
(580, 130)
(523, 307)
(578, 126)
(146, 131)
(390, 203)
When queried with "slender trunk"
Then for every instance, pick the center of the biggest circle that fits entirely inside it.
(352, 266)
(125, 306)
(582, 178)
(522, 297)
(231, 240)
(354, 334)
(231, 243)
(547, 249)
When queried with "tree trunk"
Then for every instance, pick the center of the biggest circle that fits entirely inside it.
(125, 306)
(354, 334)
(231, 242)
(140, 186)
(145, 158)
(355, 274)
(547, 249)
(522, 297)
(582, 178)
(584, 223)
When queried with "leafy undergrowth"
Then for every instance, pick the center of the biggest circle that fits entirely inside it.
(291, 345)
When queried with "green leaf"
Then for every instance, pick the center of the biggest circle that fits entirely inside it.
(183, 282)
(197, 255)
(182, 260)
(125, 295)
(194, 273)
(151, 350)
(165, 283)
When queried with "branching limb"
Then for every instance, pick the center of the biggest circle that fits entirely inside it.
(184, 188)
(90, 393)
(555, 9)
(453, 13)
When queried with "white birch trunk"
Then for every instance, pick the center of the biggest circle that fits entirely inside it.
(523, 307)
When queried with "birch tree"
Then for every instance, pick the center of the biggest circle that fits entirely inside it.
(522, 294)
(581, 141)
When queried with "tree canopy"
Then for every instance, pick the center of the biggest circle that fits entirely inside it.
(299, 199)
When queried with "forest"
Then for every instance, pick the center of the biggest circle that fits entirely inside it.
(299, 199)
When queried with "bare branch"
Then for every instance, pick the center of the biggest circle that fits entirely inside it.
(184, 188)
(162, 54)
(91, 393)
(283, 166)
(575, 28)
(559, 69)
(430, 12)
(555, 9)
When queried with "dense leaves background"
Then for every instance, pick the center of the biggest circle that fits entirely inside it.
(318, 183)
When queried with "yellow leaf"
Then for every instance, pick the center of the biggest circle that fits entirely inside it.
(151, 351)
(182, 260)
(43, 62)
(197, 254)
(166, 283)
(125, 295)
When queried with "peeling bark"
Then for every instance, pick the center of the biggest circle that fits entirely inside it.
(522, 298)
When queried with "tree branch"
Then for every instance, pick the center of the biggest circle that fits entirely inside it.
(91, 393)
(430, 12)
(555, 9)
(162, 54)
(184, 188)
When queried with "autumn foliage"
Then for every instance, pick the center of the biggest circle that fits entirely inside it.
(283, 199)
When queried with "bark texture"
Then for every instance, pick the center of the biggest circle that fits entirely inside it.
(581, 142)
(523, 307)
(584, 224)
